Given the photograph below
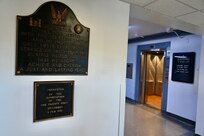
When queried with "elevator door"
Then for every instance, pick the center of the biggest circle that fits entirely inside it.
(151, 79)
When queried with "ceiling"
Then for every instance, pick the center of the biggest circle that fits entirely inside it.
(189, 11)
(139, 28)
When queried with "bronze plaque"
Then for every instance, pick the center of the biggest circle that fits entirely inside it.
(53, 99)
(51, 41)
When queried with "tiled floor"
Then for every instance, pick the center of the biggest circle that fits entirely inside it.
(154, 101)
(141, 120)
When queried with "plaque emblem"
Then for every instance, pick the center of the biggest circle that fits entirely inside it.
(58, 17)
(78, 29)
(35, 23)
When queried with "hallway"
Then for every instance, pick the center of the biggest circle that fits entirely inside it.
(141, 120)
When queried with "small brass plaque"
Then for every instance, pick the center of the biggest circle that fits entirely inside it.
(53, 99)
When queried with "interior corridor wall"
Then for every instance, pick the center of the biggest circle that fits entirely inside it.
(200, 108)
(182, 97)
(130, 83)
(97, 100)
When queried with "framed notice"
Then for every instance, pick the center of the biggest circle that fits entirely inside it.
(183, 67)
(53, 99)
(51, 41)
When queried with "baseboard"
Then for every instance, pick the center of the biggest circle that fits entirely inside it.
(190, 122)
(197, 135)
(129, 100)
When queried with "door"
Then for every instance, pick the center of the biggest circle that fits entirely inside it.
(151, 78)
(141, 72)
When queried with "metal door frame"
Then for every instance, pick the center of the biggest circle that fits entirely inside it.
(144, 74)
(165, 46)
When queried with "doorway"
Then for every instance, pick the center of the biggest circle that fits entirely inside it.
(152, 74)
(151, 79)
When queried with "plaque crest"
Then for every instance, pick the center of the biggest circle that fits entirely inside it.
(58, 17)
(51, 41)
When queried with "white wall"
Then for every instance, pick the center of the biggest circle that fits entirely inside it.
(130, 83)
(182, 97)
(200, 107)
(96, 96)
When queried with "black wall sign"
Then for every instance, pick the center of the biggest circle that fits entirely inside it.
(53, 99)
(51, 41)
(183, 67)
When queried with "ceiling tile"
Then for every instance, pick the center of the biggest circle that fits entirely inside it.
(198, 4)
(170, 7)
(139, 2)
(196, 18)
